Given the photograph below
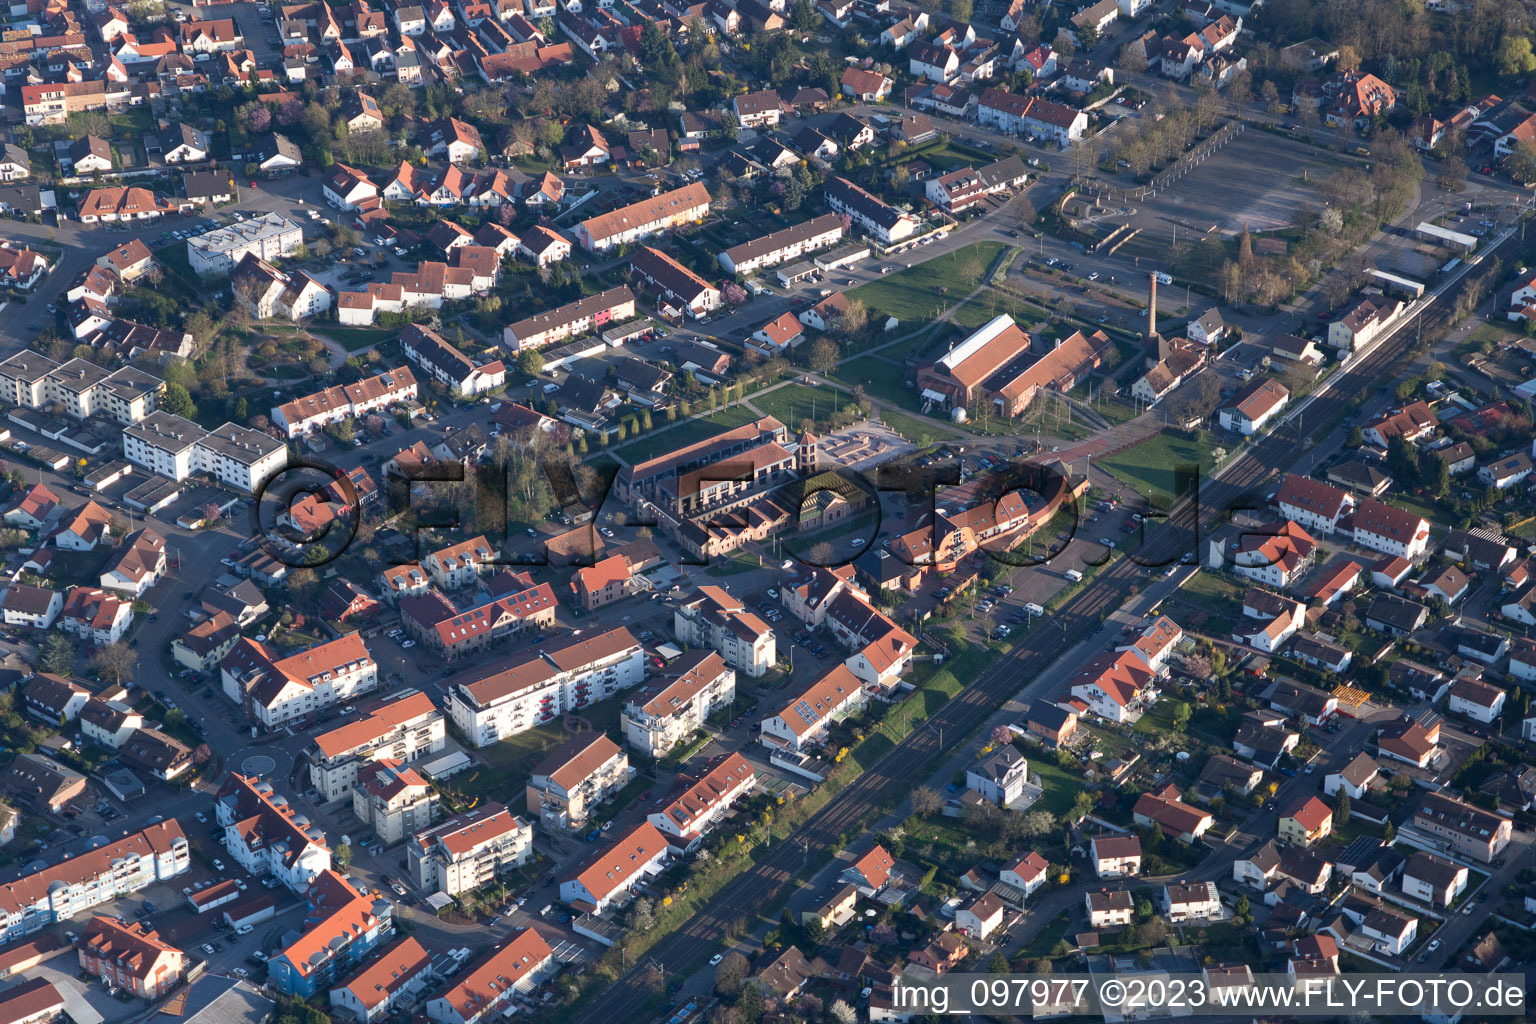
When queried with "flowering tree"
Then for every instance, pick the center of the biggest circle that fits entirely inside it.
(734, 293)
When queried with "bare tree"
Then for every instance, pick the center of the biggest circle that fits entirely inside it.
(115, 661)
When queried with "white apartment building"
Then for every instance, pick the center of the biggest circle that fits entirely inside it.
(1392, 531)
(80, 388)
(393, 800)
(688, 819)
(713, 618)
(492, 704)
(269, 237)
(659, 718)
(278, 692)
(405, 726)
(586, 770)
(176, 448)
(267, 836)
(76, 884)
(469, 850)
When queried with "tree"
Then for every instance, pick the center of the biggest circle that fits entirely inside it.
(531, 362)
(1348, 59)
(823, 355)
(730, 126)
(57, 655)
(733, 294)
(1514, 57)
(842, 1013)
(177, 401)
(926, 801)
(1341, 810)
(1270, 95)
(729, 974)
(342, 855)
(1180, 715)
(961, 10)
(115, 661)
(1037, 823)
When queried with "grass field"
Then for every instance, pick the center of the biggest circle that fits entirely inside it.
(355, 339)
(920, 430)
(1150, 466)
(880, 379)
(793, 403)
(659, 442)
(927, 289)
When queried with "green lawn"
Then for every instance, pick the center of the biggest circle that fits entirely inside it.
(1061, 787)
(880, 378)
(1149, 467)
(795, 402)
(686, 432)
(927, 289)
(355, 339)
(920, 430)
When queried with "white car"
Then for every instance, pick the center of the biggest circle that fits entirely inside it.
(244, 929)
(716, 959)
(408, 643)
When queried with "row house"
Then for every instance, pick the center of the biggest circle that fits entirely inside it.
(267, 836)
(1316, 506)
(644, 218)
(441, 361)
(404, 726)
(783, 245)
(586, 770)
(1031, 115)
(611, 876)
(469, 850)
(614, 306)
(486, 990)
(349, 401)
(703, 806)
(680, 290)
(875, 217)
(493, 703)
(660, 718)
(429, 286)
(279, 691)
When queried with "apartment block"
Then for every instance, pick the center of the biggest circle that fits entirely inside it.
(131, 957)
(713, 618)
(267, 836)
(661, 717)
(76, 884)
(470, 850)
(495, 702)
(277, 692)
(404, 726)
(586, 770)
(393, 800)
(485, 992)
(342, 925)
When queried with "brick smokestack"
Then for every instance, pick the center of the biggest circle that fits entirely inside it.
(1152, 305)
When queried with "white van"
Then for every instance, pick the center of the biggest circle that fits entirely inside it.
(1034, 609)
(1073, 575)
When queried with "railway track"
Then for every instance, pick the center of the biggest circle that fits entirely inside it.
(1009, 677)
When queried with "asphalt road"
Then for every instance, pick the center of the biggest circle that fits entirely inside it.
(889, 779)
